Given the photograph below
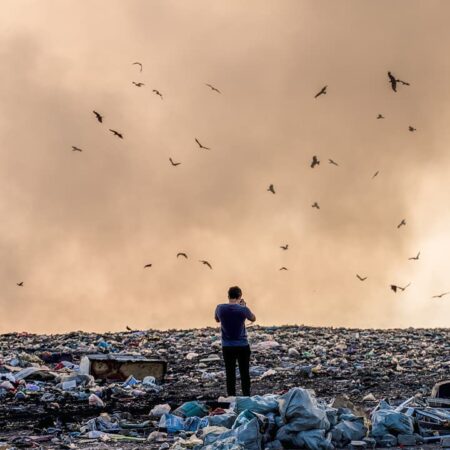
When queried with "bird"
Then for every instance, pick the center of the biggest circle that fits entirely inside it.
(394, 81)
(402, 223)
(182, 254)
(138, 64)
(380, 116)
(283, 268)
(440, 295)
(76, 149)
(271, 189)
(147, 265)
(20, 284)
(174, 163)
(157, 93)
(138, 84)
(375, 174)
(98, 116)
(200, 145)
(284, 247)
(315, 162)
(116, 133)
(410, 128)
(323, 91)
(206, 263)
(128, 328)
(213, 88)
(415, 257)
(315, 205)
(333, 162)
(361, 278)
(394, 287)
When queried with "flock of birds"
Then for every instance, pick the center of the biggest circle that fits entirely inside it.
(394, 82)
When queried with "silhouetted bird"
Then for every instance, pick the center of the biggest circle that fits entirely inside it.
(380, 116)
(315, 205)
(206, 263)
(333, 162)
(76, 149)
(410, 128)
(20, 284)
(157, 93)
(147, 265)
(315, 162)
(402, 223)
(395, 287)
(128, 328)
(174, 163)
(200, 145)
(394, 81)
(283, 268)
(271, 189)
(98, 116)
(440, 295)
(138, 84)
(182, 254)
(213, 88)
(323, 91)
(116, 133)
(375, 174)
(415, 257)
(138, 64)
(361, 278)
(284, 247)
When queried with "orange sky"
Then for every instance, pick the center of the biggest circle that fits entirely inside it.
(78, 228)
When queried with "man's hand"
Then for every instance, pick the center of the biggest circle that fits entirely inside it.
(242, 302)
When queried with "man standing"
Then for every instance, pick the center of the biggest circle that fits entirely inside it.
(235, 345)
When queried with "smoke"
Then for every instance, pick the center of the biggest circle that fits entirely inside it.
(78, 228)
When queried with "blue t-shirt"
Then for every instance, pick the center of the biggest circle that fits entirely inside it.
(232, 320)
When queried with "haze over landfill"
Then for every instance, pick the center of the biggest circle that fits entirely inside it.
(78, 227)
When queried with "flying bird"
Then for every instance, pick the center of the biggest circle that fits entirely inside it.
(283, 268)
(380, 116)
(271, 189)
(284, 247)
(200, 145)
(395, 287)
(174, 163)
(128, 328)
(315, 205)
(157, 93)
(206, 263)
(440, 295)
(147, 265)
(116, 133)
(333, 162)
(182, 254)
(98, 116)
(375, 174)
(213, 88)
(323, 91)
(315, 162)
(138, 64)
(415, 257)
(410, 128)
(361, 278)
(76, 149)
(138, 84)
(402, 223)
(394, 81)
(20, 284)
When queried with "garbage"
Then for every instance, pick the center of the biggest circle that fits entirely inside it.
(385, 420)
(159, 410)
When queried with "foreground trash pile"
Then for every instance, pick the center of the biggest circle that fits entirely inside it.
(47, 400)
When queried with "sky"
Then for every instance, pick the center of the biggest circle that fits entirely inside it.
(78, 227)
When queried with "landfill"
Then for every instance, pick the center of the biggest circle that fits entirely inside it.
(314, 388)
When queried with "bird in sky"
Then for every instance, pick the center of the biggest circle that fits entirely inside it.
(206, 263)
(174, 163)
(394, 81)
(213, 88)
(98, 116)
(20, 284)
(138, 84)
(360, 278)
(333, 162)
(200, 145)
(138, 64)
(380, 116)
(158, 93)
(76, 149)
(271, 189)
(415, 257)
(323, 91)
(315, 162)
(128, 328)
(283, 268)
(182, 254)
(116, 133)
(315, 205)
(440, 295)
(147, 265)
(284, 247)
(402, 223)
(394, 287)
(375, 174)
(412, 129)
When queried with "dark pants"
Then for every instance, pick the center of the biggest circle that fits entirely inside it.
(242, 355)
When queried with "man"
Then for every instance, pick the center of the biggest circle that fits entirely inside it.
(235, 345)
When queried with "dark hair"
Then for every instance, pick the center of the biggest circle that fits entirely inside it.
(234, 292)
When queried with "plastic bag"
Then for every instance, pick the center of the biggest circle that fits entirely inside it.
(388, 421)
(259, 404)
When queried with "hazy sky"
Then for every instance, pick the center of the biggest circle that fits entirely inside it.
(78, 228)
